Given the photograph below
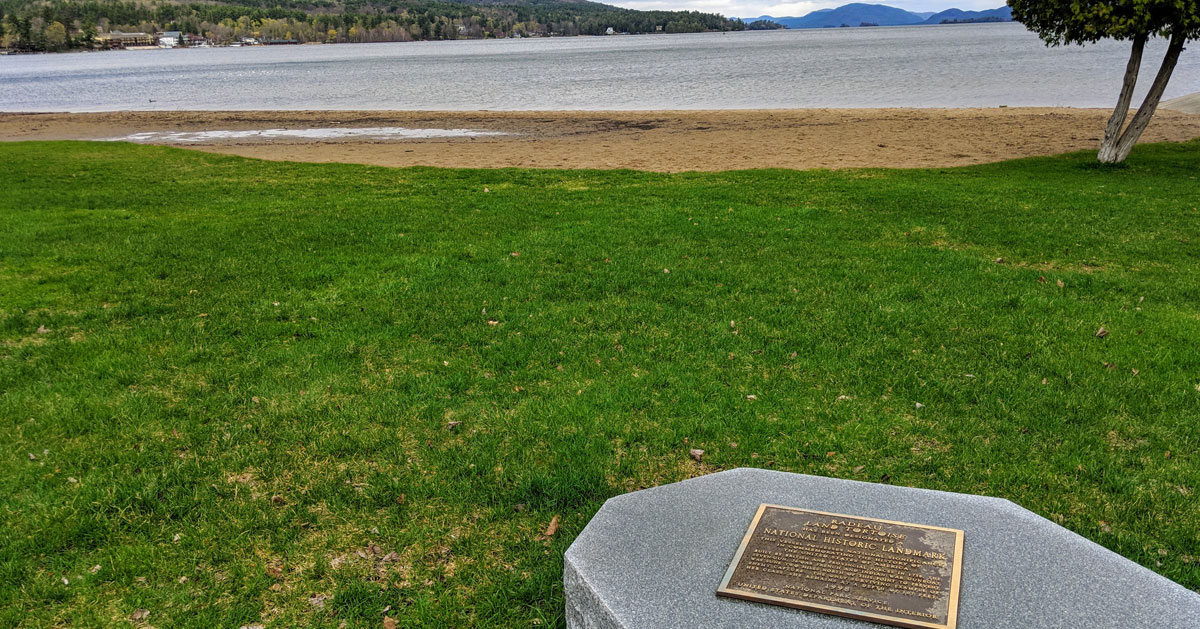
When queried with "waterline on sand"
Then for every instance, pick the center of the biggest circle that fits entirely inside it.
(375, 133)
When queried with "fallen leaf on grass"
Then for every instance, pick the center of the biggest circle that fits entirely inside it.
(43, 329)
(1101, 333)
(697, 454)
(274, 571)
(859, 468)
(1060, 283)
(317, 601)
(389, 622)
(551, 529)
(453, 425)
(751, 397)
(140, 614)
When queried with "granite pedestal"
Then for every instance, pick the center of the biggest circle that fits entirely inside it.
(653, 559)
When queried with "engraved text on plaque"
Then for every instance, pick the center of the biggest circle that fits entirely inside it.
(893, 573)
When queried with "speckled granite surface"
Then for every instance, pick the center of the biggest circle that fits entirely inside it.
(653, 559)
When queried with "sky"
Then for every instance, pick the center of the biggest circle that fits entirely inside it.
(755, 8)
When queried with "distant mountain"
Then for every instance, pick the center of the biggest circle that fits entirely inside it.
(856, 14)
(787, 22)
(859, 14)
(1003, 14)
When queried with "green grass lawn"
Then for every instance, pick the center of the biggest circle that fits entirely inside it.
(235, 391)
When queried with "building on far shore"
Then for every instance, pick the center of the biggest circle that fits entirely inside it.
(119, 40)
(169, 39)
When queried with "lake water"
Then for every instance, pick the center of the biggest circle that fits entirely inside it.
(982, 65)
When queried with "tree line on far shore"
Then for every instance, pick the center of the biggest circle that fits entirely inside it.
(56, 25)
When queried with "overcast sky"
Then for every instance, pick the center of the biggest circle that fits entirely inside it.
(755, 8)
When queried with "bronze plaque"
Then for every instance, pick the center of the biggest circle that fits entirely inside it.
(892, 573)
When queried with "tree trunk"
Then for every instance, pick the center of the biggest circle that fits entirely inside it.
(1142, 118)
(1112, 133)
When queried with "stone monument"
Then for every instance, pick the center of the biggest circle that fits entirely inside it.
(758, 548)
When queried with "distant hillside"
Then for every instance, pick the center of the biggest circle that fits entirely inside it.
(1003, 14)
(856, 14)
(54, 25)
(859, 14)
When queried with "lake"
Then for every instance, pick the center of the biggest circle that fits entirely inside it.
(981, 65)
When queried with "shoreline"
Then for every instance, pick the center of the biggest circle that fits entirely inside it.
(654, 140)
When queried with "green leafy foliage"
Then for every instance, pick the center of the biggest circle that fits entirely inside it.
(1088, 21)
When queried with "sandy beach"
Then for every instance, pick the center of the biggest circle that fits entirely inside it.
(668, 141)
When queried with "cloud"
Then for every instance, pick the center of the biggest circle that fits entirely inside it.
(754, 8)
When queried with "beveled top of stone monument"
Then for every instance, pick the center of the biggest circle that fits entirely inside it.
(653, 559)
